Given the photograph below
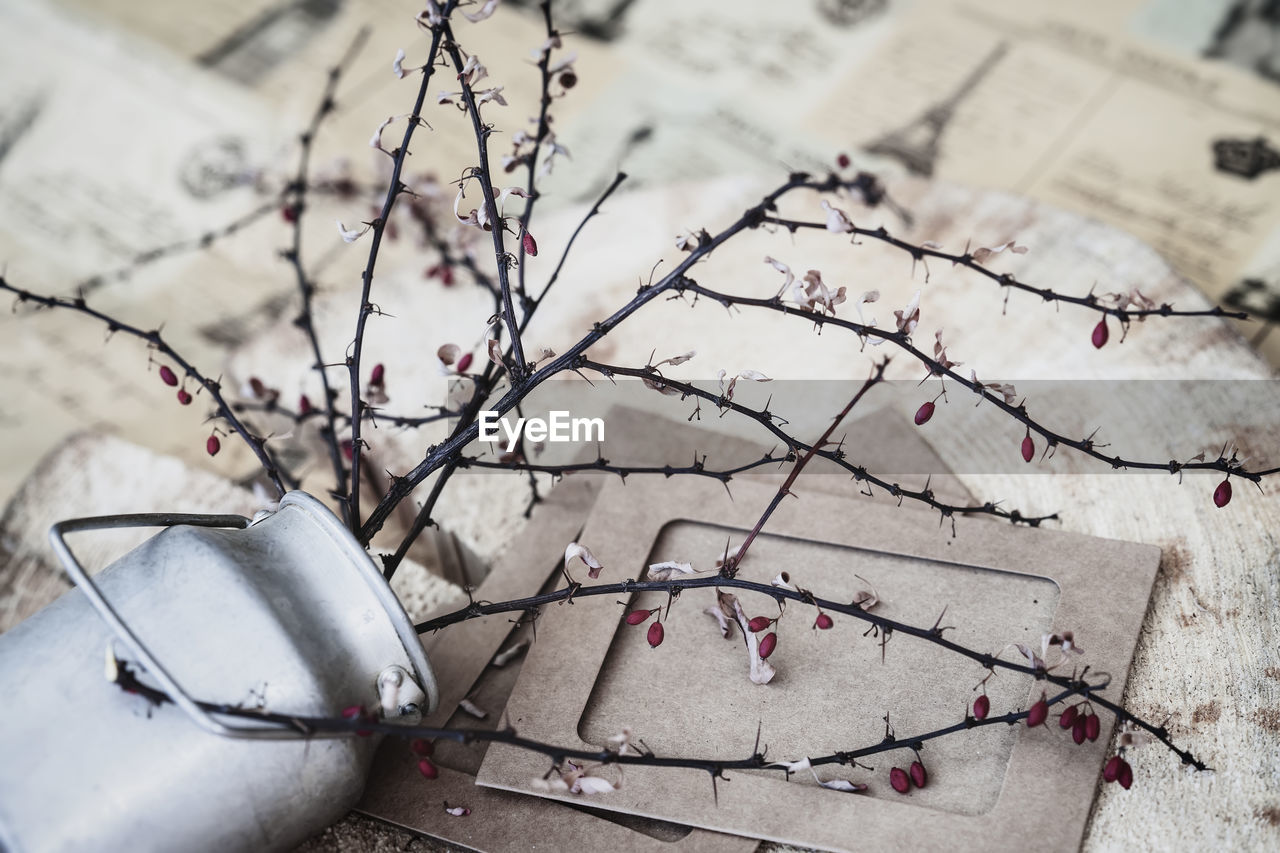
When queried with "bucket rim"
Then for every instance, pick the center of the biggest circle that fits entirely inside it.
(324, 517)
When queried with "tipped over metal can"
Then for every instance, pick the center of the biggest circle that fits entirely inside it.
(286, 613)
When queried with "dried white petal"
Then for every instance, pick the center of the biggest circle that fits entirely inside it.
(448, 353)
(375, 141)
(348, 236)
(677, 359)
(666, 571)
(495, 352)
(473, 709)
(575, 551)
(485, 11)
(458, 811)
(592, 785)
(508, 654)
(726, 627)
(397, 67)
(837, 221)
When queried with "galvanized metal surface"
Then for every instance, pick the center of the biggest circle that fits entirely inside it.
(289, 613)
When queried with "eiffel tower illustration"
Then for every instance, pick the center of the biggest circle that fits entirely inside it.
(916, 144)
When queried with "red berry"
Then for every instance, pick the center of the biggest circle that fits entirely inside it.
(768, 644)
(899, 780)
(918, 774)
(1039, 712)
(421, 747)
(1028, 449)
(183, 397)
(213, 445)
(446, 276)
(167, 375)
(304, 405)
(530, 245)
(924, 413)
(655, 634)
(1092, 727)
(357, 712)
(1068, 717)
(1222, 494)
(427, 769)
(349, 450)
(1100, 334)
(1080, 730)
(635, 617)
(759, 623)
(1125, 777)
(258, 387)
(464, 362)
(1111, 770)
(981, 707)
(378, 375)
(842, 160)
(289, 213)
(823, 622)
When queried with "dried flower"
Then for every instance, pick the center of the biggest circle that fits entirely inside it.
(456, 811)
(167, 376)
(485, 11)
(837, 221)
(908, 318)
(348, 236)
(981, 255)
(575, 551)
(473, 709)
(668, 570)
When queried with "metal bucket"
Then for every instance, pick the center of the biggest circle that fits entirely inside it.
(287, 612)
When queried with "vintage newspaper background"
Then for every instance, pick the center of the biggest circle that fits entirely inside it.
(125, 126)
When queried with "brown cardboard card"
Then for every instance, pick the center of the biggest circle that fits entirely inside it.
(590, 675)
(463, 658)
